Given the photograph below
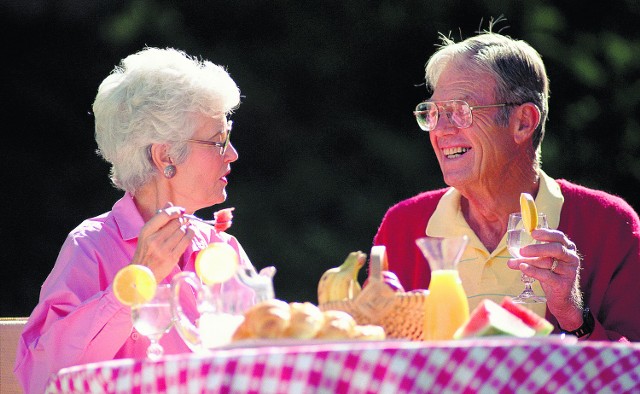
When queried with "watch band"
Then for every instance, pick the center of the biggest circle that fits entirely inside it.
(587, 325)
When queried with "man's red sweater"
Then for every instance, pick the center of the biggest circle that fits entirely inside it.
(605, 229)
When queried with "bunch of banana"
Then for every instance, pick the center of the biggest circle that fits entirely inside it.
(341, 283)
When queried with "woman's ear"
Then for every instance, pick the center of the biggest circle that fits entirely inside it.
(159, 155)
(527, 118)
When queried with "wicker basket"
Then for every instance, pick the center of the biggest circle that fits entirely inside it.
(401, 314)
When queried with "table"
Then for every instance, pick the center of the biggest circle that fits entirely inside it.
(497, 365)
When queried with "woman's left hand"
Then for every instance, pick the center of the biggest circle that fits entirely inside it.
(556, 265)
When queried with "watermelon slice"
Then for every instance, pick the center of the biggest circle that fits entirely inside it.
(490, 319)
(540, 325)
(223, 219)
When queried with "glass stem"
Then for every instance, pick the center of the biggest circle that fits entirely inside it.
(155, 350)
(528, 290)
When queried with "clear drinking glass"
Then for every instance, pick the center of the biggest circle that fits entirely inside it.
(153, 319)
(518, 237)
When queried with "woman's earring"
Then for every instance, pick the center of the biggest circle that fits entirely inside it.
(169, 171)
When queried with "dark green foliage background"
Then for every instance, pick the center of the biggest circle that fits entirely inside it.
(325, 133)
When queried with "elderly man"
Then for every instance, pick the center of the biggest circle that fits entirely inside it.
(486, 121)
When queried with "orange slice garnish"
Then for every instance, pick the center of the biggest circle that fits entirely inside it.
(134, 284)
(529, 212)
(216, 263)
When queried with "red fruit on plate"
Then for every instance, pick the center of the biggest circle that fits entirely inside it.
(490, 319)
(540, 325)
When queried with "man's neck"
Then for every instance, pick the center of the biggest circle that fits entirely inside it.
(487, 212)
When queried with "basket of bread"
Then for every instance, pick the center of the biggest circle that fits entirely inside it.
(381, 301)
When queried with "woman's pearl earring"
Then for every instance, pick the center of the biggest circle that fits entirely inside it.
(169, 171)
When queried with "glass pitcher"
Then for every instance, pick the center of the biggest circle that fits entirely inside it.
(447, 307)
(208, 316)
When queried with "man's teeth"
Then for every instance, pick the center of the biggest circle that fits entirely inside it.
(454, 152)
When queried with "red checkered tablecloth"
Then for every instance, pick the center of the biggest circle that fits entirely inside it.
(546, 365)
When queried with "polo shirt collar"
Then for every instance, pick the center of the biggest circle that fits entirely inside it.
(448, 221)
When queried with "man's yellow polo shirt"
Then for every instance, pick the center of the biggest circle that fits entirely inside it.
(485, 274)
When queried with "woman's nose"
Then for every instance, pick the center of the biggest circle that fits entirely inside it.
(231, 154)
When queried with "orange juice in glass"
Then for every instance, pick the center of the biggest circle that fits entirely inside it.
(447, 307)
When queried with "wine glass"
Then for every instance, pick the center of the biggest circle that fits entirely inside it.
(153, 319)
(518, 237)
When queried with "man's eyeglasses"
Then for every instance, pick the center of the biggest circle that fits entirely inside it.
(221, 145)
(459, 113)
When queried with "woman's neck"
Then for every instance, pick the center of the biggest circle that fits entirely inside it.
(149, 199)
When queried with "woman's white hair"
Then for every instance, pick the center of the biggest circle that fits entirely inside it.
(151, 98)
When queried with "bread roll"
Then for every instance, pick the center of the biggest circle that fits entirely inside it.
(268, 319)
(337, 325)
(243, 332)
(369, 332)
(306, 320)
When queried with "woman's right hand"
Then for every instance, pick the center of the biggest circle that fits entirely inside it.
(162, 241)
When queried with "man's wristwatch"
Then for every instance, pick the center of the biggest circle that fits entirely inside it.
(587, 325)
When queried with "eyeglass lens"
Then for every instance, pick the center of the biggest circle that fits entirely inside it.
(223, 149)
(457, 111)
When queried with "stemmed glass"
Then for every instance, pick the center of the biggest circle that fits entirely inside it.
(153, 319)
(518, 237)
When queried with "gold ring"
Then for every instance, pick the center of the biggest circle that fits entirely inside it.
(554, 265)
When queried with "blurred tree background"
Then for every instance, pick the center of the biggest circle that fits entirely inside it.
(325, 133)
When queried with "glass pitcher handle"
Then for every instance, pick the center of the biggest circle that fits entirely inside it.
(186, 329)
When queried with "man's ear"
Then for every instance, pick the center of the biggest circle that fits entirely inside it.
(527, 119)
(159, 154)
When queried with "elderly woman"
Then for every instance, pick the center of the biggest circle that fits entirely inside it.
(161, 122)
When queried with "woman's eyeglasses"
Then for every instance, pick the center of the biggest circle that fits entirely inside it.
(221, 145)
(459, 113)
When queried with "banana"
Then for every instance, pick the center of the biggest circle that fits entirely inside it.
(341, 283)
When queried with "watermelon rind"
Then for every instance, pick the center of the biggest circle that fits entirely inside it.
(490, 319)
(540, 325)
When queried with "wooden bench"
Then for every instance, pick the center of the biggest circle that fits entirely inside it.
(10, 330)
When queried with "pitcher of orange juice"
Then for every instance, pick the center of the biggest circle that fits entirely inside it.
(446, 307)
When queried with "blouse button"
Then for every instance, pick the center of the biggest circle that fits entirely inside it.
(134, 335)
